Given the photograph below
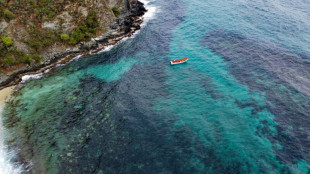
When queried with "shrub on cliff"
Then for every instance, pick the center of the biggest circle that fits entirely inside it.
(8, 14)
(116, 11)
(85, 30)
(92, 21)
(36, 58)
(7, 61)
(39, 43)
(28, 58)
(64, 37)
(77, 36)
(8, 41)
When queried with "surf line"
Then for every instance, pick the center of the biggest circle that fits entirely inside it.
(7, 165)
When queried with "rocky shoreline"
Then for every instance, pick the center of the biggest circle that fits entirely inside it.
(124, 27)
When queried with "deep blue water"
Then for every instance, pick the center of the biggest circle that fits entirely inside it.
(240, 105)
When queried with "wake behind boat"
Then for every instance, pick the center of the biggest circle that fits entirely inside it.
(174, 62)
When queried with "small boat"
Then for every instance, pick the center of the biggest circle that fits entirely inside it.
(174, 62)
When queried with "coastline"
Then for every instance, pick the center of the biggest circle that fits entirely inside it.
(125, 29)
(16, 162)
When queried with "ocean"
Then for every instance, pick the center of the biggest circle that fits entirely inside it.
(241, 104)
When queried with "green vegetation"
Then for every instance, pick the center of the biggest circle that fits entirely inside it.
(8, 41)
(116, 11)
(85, 30)
(8, 14)
(37, 44)
(29, 58)
(92, 22)
(19, 57)
(41, 38)
(11, 56)
(31, 15)
(78, 35)
(64, 37)
(7, 61)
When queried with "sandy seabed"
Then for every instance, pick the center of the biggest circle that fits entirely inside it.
(4, 96)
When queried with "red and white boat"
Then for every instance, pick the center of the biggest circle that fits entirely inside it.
(174, 62)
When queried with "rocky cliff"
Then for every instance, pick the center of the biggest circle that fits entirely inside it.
(36, 33)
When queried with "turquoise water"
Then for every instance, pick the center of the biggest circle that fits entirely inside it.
(240, 104)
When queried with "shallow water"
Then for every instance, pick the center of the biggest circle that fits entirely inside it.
(240, 104)
(8, 164)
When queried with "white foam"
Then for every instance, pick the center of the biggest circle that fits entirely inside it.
(151, 11)
(75, 58)
(108, 48)
(25, 78)
(6, 155)
(6, 166)
(149, 15)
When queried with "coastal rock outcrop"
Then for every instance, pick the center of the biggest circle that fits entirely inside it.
(43, 32)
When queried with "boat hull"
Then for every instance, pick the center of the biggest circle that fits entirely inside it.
(175, 62)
